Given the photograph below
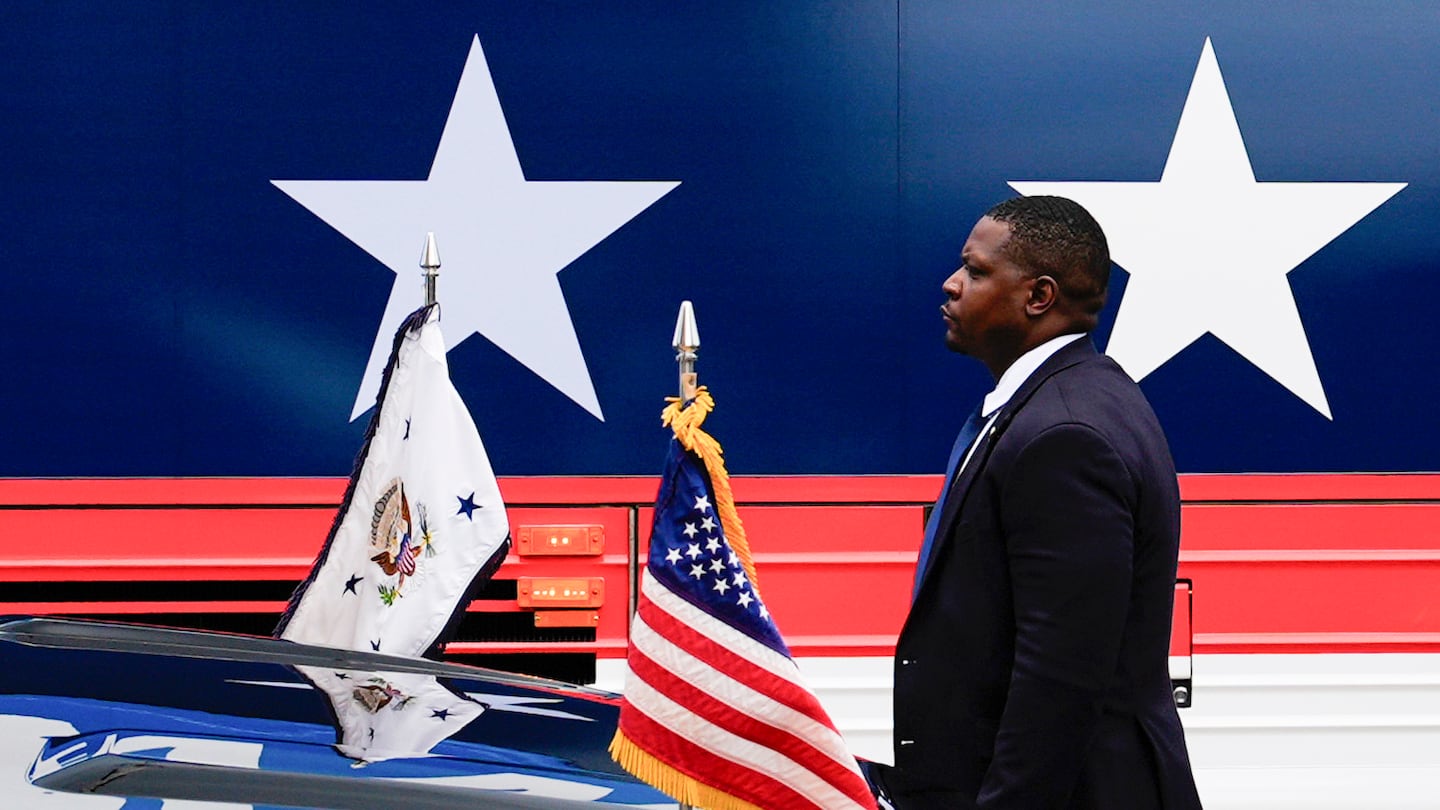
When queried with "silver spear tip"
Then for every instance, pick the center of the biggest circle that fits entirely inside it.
(686, 343)
(430, 263)
(687, 334)
(430, 258)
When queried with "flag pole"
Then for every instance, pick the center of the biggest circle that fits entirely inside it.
(686, 343)
(430, 263)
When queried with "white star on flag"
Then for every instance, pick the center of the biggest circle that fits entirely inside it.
(725, 579)
(1208, 247)
(503, 239)
(702, 502)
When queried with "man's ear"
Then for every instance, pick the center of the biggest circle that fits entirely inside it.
(1043, 295)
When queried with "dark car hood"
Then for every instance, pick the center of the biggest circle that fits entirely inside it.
(127, 710)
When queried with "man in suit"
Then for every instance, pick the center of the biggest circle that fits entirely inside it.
(1032, 670)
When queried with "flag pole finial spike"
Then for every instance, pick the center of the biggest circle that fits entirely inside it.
(430, 263)
(686, 342)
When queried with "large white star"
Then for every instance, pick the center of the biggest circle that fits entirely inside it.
(502, 239)
(1208, 248)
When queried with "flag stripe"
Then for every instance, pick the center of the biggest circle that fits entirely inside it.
(680, 751)
(693, 637)
(752, 651)
(723, 685)
(739, 751)
(734, 707)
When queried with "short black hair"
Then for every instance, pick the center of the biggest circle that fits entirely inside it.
(1057, 237)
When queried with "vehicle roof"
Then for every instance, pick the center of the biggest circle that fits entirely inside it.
(132, 710)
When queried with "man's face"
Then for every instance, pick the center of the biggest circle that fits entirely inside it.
(985, 310)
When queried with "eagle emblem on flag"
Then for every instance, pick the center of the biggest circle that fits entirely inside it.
(377, 693)
(396, 539)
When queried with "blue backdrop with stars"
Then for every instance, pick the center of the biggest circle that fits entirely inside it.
(168, 311)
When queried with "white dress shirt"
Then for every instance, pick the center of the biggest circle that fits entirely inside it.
(1010, 382)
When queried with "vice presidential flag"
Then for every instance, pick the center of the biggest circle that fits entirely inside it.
(421, 522)
(715, 712)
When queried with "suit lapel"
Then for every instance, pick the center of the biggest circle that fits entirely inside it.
(1076, 352)
(959, 489)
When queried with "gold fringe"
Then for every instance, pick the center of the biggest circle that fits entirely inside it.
(678, 786)
(686, 422)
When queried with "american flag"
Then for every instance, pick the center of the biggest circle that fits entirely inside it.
(715, 712)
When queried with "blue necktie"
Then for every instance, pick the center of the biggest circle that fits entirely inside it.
(963, 441)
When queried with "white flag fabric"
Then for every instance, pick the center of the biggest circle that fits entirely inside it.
(422, 517)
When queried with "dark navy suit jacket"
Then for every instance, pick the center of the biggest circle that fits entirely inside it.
(1032, 671)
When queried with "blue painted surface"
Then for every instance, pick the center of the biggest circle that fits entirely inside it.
(231, 699)
(169, 312)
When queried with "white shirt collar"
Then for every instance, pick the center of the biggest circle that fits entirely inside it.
(1020, 371)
